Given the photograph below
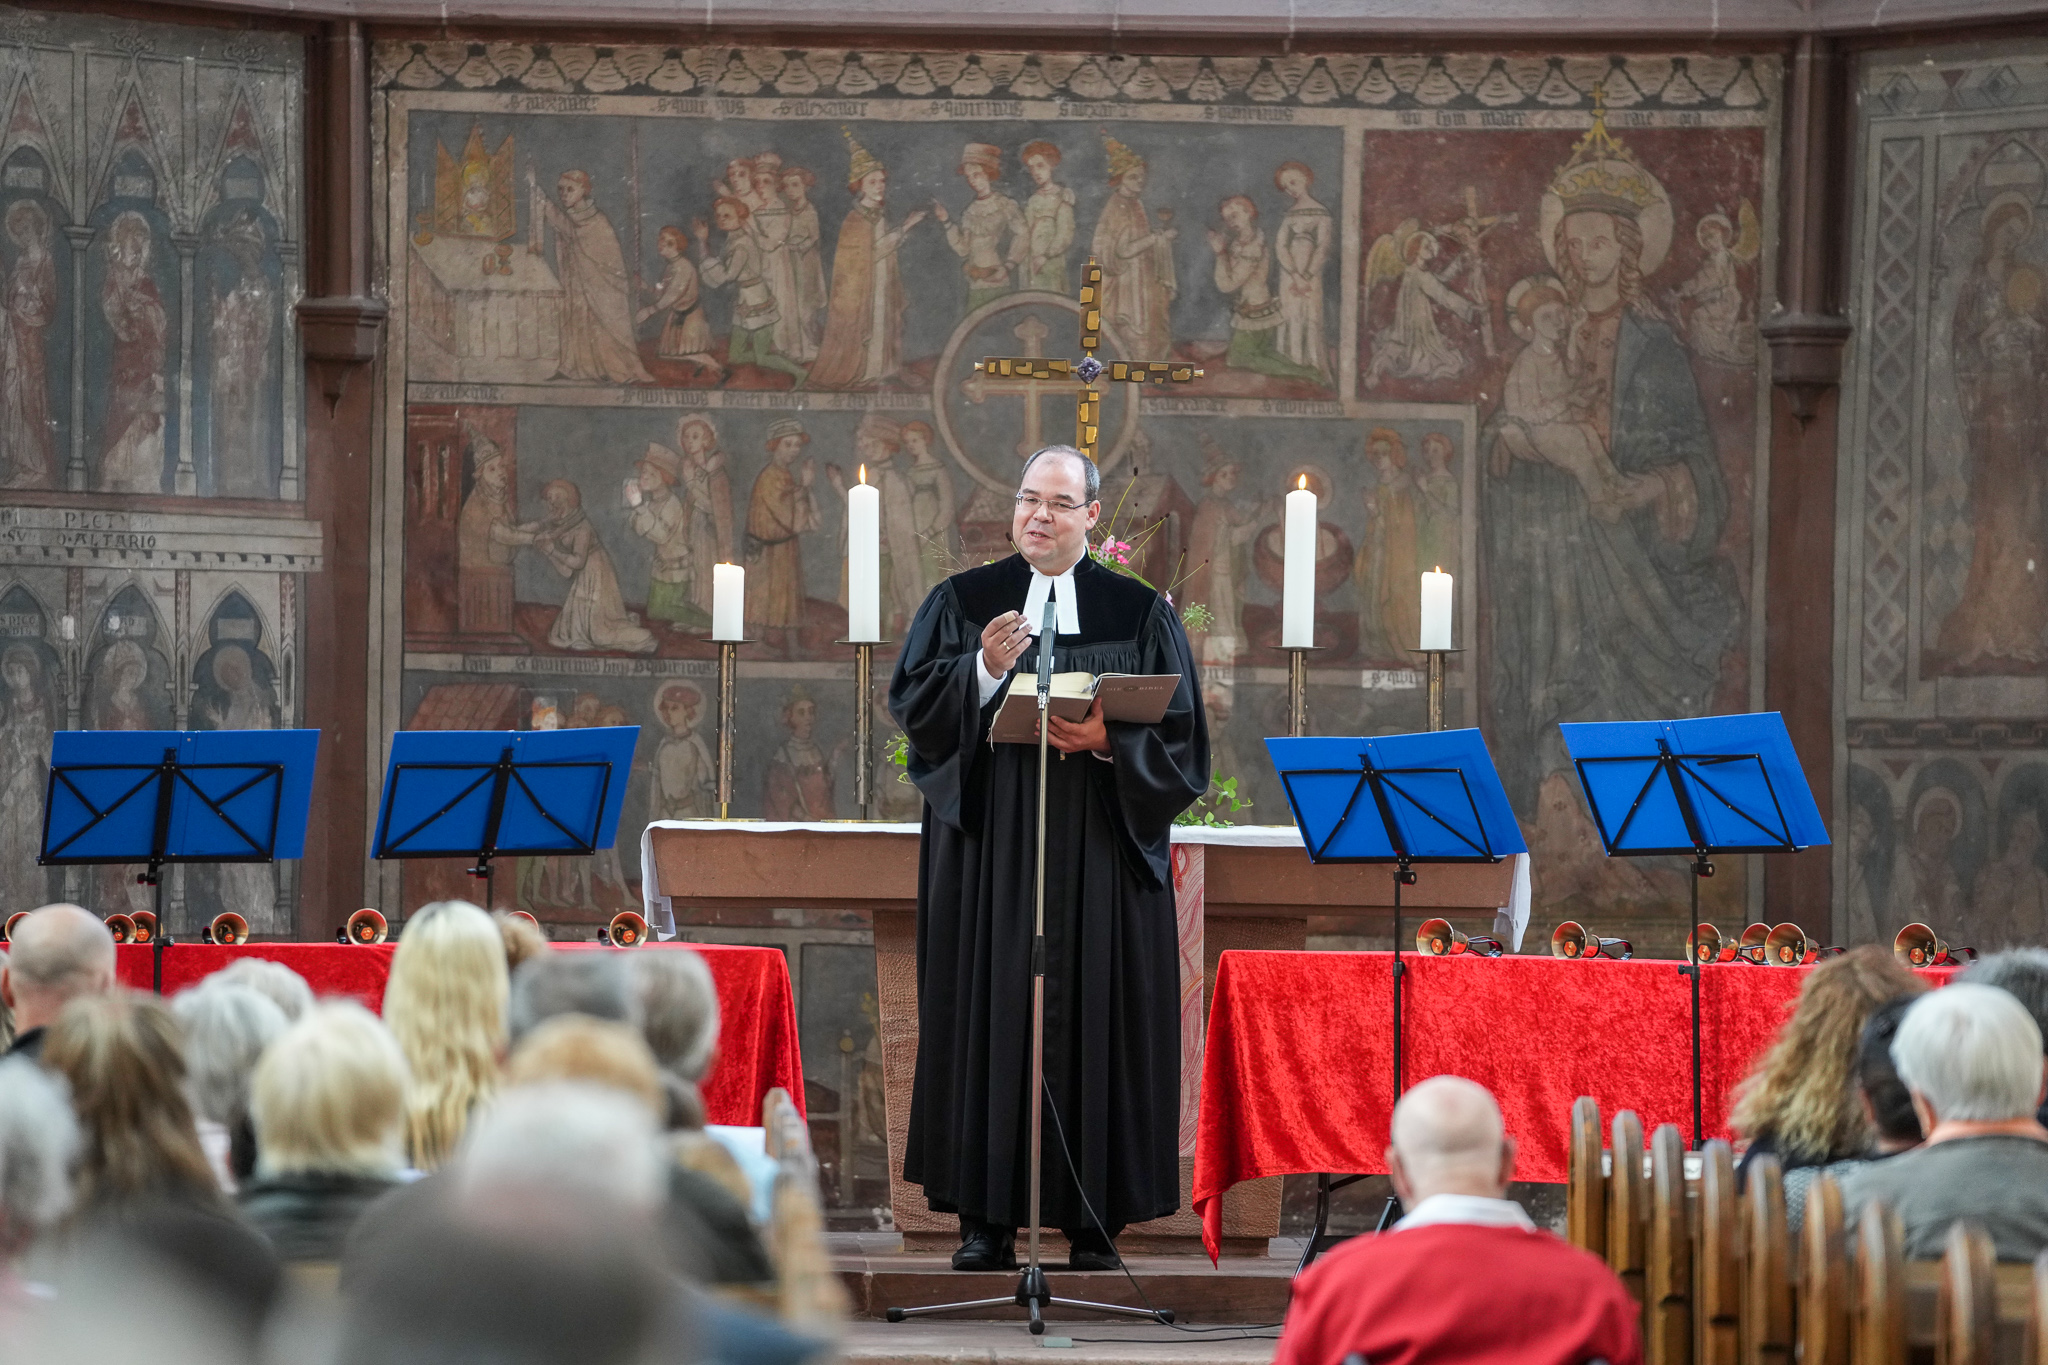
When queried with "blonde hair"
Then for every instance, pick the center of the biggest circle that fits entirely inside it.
(445, 1003)
(329, 1095)
(1802, 1093)
(123, 1057)
(576, 1047)
(523, 938)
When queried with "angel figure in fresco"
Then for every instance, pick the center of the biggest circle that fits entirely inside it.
(863, 341)
(2000, 623)
(990, 237)
(1413, 346)
(1302, 245)
(800, 774)
(685, 777)
(686, 332)
(1720, 328)
(597, 305)
(1048, 220)
(242, 363)
(28, 718)
(594, 615)
(132, 429)
(30, 304)
(1544, 409)
(1138, 279)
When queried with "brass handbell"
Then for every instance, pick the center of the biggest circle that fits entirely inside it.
(1705, 944)
(228, 928)
(1917, 946)
(1572, 939)
(367, 925)
(1436, 938)
(1750, 947)
(627, 930)
(121, 927)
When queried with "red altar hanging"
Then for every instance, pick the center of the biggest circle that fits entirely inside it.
(1297, 1072)
(757, 1039)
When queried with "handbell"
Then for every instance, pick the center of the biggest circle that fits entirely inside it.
(145, 926)
(121, 927)
(1572, 939)
(1436, 938)
(627, 930)
(1786, 945)
(1917, 946)
(13, 922)
(1750, 947)
(228, 928)
(367, 925)
(1705, 944)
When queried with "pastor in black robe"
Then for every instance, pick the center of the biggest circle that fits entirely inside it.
(1112, 991)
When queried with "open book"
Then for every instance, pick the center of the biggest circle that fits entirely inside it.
(1139, 697)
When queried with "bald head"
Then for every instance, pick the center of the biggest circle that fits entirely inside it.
(58, 953)
(1448, 1139)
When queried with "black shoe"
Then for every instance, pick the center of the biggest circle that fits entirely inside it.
(988, 1249)
(1091, 1250)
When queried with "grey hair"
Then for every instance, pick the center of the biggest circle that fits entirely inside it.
(593, 983)
(226, 1026)
(678, 1008)
(1973, 1052)
(285, 987)
(2021, 973)
(570, 1137)
(38, 1140)
(1091, 477)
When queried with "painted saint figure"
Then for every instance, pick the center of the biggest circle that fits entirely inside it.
(1217, 550)
(242, 363)
(597, 308)
(487, 540)
(1413, 346)
(121, 699)
(1138, 279)
(804, 243)
(755, 313)
(707, 489)
(1244, 271)
(1048, 221)
(685, 777)
(1720, 328)
(863, 341)
(990, 237)
(28, 719)
(1302, 246)
(2012, 894)
(800, 774)
(663, 520)
(234, 698)
(27, 458)
(1388, 572)
(780, 512)
(1545, 413)
(875, 443)
(1442, 533)
(594, 615)
(933, 508)
(686, 332)
(131, 445)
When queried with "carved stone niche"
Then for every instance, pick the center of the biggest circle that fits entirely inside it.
(1806, 358)
(341, 335)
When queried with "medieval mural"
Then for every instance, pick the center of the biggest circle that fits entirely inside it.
(152, 532)
(656, 308)
(1943, 645)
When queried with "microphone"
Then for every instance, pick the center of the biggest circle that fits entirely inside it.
(1047, 629)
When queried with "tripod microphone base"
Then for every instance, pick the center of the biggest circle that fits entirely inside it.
(1034, 1295)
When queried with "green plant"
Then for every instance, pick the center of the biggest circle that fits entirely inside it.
(1197, 618)
(897, 751)
(1215, 805)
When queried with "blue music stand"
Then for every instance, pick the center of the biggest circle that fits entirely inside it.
(1433, 797)
(1715, 784)
(482, 794)
(177, 796)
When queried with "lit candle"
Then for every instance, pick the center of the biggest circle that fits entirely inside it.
(1436, 610)
(1298, 599)
(728, 602)
(864, 561)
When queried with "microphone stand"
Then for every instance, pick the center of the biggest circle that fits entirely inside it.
(1034, 1294)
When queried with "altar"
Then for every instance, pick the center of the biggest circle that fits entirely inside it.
(1239, 887)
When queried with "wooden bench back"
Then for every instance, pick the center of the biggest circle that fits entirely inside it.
(1824, 1301)
(1767, 1267)
(1585, 1181)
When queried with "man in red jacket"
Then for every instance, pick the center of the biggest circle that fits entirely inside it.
(1465, 1276)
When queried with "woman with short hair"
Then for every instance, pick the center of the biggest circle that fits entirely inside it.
(445, 1003)
(227, 1025)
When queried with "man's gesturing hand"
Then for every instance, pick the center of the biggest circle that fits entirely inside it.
(1002, 640)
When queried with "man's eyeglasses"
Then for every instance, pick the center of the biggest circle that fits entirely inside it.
(1031, 502)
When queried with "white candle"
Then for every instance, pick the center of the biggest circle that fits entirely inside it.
(864, 561)
(1298, 599)
(1436, 610)
(728, 602)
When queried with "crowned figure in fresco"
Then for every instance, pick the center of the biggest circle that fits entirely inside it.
(1618, 609)
(487, 540)
(597, 306)
(1138, 279)
(27, 458)
(863, 341)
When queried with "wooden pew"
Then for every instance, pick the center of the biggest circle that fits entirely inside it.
(1668, 1290)
(1767, 1267)
(1823, 1298)
(1877, 1336)
(1717, 1260)
(1628, 1205)
(1586, 1181)
(1966, 1301)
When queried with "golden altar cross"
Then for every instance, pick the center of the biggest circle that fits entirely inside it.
(1035, 374)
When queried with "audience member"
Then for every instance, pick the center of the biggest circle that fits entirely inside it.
(285, 987)
(591, 982)
(1971, 1056)
(523, 938)
(56, 955)
(1465, 1276)
(678, 1007)
(1798, 1101)
(2021, 973)
(445, 1003)
(1886, 1102)
(226, 1026)
(328, 1104)
(38, 1142)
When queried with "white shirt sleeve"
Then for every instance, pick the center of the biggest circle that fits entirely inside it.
(989, 682)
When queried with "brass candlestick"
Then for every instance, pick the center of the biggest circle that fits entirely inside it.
(1436, 685)
(864, 726)
(1297, 688)
(728, 677)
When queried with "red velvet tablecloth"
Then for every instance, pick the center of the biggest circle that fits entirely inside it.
(757, 1038)
(1297, 1071)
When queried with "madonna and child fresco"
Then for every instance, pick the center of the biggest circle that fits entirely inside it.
(671, 326)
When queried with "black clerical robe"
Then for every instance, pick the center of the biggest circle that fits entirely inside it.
(1112, 999)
